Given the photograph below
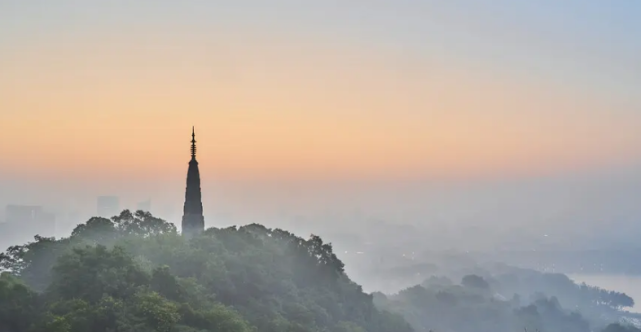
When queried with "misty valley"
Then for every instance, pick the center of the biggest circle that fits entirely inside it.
(135, 272)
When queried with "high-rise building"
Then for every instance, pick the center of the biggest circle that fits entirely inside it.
(144, 206)
(193, 221)
(22, 213)
(108, 206)
(22, 222)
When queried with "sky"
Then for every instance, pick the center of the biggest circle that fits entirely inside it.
(100, 96)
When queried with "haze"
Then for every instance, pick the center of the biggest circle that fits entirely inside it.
(334, 166)
(483, 120)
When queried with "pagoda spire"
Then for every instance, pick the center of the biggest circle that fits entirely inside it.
(193, 221)
(193, 143)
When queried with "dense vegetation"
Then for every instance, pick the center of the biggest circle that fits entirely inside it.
(134, 273)
(441, 308)
(510, 301)
(589, 300)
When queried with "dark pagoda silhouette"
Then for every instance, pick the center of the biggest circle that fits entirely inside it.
(193, 221)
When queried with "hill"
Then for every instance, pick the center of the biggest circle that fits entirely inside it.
(134, 272)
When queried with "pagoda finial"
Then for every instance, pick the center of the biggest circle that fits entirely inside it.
(193, 143)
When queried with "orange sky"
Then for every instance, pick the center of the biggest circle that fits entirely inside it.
(122, 105)
(315, 107)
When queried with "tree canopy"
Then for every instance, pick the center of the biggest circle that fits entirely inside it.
(134, 272)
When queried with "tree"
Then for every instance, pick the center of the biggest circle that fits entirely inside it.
(159, 313)
(18, 304)
(33, 261)
(89, 273)
(474, 281)
(620, 328)
(97, 230)
(135, 273)
(142, 223)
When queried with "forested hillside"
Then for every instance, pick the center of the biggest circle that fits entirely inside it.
(134, 273)
(519, 300)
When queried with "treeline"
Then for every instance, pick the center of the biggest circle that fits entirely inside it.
(587, 299)
(476, 304)
(467, 308)
(134, 272)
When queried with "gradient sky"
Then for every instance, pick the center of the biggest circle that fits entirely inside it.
(106, 92)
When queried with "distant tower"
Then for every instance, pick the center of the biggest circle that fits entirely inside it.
(145, 206)
(193, 221)
(108, 206)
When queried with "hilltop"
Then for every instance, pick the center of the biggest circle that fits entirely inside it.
(134, 272)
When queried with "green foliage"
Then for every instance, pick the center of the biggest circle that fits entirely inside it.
(471, 308)
(89, 273)
(159, 313)
(348, 327)
(589, 300)
(476, 282)
(34, 261)
(133, 272)
(18, 304)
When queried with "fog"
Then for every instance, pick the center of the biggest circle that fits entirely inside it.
(240, 275)
(362, 166)
(555, 212)
(490, 254)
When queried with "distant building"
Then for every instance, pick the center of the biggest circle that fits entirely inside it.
(21, 213)
(33, 218)
(7, 238)
(23, 222)
(145, 206)
(108, 206)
